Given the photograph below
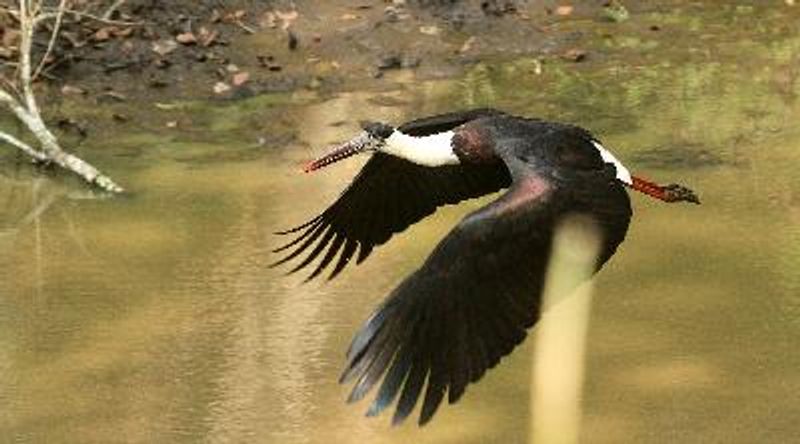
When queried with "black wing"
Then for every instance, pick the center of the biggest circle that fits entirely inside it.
(445, 122)
(472, 301)
(387, 196)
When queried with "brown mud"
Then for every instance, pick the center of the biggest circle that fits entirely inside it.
(228, 49)
(108, 74)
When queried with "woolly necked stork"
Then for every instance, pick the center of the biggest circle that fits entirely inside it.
(471, 302)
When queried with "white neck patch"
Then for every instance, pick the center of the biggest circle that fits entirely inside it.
(431, 151)
(623, 175)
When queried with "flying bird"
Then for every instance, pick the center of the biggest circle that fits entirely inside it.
(473, 299)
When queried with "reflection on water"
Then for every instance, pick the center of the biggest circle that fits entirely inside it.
(153, 318)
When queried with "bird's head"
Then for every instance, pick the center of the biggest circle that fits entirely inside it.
(372, 138)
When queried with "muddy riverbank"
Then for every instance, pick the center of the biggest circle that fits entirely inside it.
(184, 49)
(140, 69)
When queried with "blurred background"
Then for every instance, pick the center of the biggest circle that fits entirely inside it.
(153, 317)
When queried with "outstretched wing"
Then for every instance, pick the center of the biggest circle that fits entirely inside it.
(445, 122)
(472, 301)
(387, 196)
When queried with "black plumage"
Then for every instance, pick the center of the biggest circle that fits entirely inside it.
(471, 302)
(396, 193)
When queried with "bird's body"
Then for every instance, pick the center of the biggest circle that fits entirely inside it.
(471, 302)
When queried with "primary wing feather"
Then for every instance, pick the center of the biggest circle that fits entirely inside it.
(387, 196)
(473, 299)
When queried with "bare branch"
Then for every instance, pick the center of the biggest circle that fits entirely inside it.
(26, 28)
(27, 111)
(21, 114)
(52, 13)
(27, 149)
(53, 37)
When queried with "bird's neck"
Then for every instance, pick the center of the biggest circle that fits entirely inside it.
(623, 175)
(434, 150)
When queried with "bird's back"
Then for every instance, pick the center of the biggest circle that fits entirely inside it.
(569, 159)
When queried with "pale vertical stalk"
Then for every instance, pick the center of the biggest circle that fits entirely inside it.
(38, 247)
(560, 347)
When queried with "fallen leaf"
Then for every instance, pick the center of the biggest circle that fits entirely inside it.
(186, 38)
(574, 55)
(221, 88)
(564, 10)
(207, 38)
(268, 20)
(288, 16)
(70, 90)
(430, 30)
(103, 34)
(164, 47)
(468, 44)
(240, 78)
(124, 32)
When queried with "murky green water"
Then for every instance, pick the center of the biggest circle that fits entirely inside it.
(154, 318)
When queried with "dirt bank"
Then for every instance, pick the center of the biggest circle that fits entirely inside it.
(198, 49)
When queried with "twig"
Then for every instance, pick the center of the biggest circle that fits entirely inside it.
(246, 28)
(9, 84)
(112, 8)
(27, 149)
(53, 37)
(52, 13)
(8, 138)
